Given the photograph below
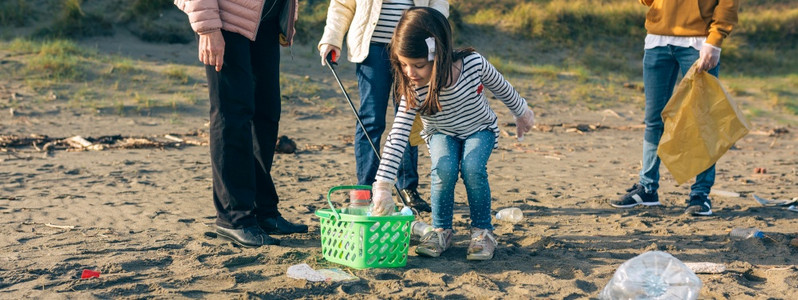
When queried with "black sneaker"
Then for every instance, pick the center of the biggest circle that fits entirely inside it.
(415, 201)
(699, 205)
(636, 196)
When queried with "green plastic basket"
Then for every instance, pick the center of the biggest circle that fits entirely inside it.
(363, 242)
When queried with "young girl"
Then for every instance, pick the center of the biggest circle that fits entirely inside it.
(447, 87)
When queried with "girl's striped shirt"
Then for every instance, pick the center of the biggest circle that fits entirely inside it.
(390, 12)
(465, 111)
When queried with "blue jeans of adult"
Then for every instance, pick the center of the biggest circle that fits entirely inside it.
(468, 158)
(661, 69)
(374, 79)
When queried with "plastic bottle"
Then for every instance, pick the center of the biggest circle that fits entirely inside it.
(419, 228)
(512, 215)
(405, 211)
(358, 202)
(652, 275)
(746, 233)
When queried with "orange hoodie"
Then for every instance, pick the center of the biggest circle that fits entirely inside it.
(711, 18)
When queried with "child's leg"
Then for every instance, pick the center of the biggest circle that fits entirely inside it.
(445, 153)
(476, 151)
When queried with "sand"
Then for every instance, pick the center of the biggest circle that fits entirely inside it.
(144, 218)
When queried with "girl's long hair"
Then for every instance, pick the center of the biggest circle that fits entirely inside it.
(416, 25)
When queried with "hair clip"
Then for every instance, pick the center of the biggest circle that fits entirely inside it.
(430, 48)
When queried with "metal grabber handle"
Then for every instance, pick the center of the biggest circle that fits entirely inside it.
(330, 63)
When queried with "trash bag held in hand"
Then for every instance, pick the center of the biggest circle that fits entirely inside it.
(701, 123)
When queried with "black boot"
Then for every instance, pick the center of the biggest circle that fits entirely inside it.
(251, 237)
(414, 200)
(279, 225)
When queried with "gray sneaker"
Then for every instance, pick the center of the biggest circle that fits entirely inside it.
(435, 242)
(482, 245)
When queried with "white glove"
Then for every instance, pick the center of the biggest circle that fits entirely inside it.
(709, 57)
(524, 123)
(326, 49)
(382, 200)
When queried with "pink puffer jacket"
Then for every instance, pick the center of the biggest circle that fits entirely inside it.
(239, 16)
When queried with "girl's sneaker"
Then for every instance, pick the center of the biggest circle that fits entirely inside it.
(435, 242)
(482, 246)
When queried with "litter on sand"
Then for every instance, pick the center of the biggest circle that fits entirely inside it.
(706, 267)
(304, 271)
(724, 193)
(791, 205)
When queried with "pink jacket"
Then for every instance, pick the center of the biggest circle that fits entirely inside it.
(239, 16)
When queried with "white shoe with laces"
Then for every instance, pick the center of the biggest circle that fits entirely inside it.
(482, 245)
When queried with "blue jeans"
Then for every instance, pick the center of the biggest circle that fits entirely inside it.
(469, 158)
(661, 68)
(374, 79)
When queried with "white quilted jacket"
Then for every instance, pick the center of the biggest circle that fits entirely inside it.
(239, 16)
(359, 18)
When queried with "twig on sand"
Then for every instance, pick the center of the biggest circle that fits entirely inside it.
(70, 227)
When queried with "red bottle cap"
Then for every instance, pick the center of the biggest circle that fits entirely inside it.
(359, 195)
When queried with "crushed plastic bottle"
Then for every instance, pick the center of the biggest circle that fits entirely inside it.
(746, 233)
(419, 228)
(652, 275)
(512, 215)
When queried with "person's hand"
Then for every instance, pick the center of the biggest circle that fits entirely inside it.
(382, 201)
(211, 49)
(325, 50)
(709, 57)
(524, 123)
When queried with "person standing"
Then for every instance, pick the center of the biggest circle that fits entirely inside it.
(680, 33)
(369, 26)
(239, 43)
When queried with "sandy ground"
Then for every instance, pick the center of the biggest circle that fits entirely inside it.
(143, 217)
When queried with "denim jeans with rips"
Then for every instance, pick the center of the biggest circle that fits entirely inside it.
(661, 68)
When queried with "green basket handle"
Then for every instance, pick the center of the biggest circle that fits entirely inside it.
(343, 187)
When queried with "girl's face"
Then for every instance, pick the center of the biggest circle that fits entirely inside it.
(418, 70)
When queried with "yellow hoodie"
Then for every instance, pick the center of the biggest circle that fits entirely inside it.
(711, 18)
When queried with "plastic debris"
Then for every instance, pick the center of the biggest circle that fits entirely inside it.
(706, 267)
(652, 275)
(304, 271)
(724, 193)
(89, 274)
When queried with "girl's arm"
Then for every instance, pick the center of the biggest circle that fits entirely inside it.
(396, 143)
(339, 17)
(495, 82)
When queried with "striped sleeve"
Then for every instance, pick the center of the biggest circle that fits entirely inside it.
(503, 90)
(396, 143)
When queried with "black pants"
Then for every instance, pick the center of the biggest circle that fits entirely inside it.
(244, 118)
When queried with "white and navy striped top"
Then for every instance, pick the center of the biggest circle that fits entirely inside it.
(390, 12)
(464, 111)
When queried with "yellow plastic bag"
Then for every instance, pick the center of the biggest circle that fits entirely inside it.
(415, 132)
(701, 123)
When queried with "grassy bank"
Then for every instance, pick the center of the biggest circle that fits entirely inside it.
(572, 52)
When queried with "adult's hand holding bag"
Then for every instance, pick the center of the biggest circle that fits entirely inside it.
(701, 123)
